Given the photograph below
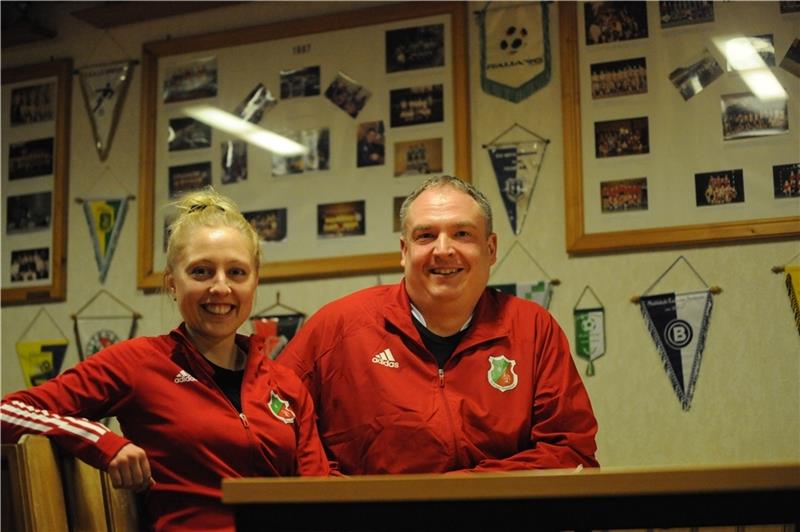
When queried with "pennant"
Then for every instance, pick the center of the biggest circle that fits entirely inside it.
(793, 287)
(277, 330)
(104, 88)
(515, 50)
(590, 335)
(105, 218)
(41, 360)
(540, 292)
(516, 168)
(678, 324)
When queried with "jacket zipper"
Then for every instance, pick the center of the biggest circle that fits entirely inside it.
(449, 416)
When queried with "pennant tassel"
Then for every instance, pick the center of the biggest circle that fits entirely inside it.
(793, 289)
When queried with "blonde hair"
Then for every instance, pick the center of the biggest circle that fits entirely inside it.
(207, 208)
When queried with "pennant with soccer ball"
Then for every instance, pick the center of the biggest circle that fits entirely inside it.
(516, 165)
(104, 88)
(515, 49)
(105, 218)
(590, 331)
(540, 292)
(678, 324)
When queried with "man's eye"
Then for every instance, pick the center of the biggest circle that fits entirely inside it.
(423, 236)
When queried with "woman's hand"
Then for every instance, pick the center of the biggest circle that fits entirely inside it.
(130, 469)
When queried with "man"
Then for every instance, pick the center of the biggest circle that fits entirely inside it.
(370, 149)
(440, 373)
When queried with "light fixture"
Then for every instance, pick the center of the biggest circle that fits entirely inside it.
(245, 130)
(743, 57)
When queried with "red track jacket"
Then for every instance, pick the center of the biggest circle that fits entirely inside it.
(509, 398)
(162, 392)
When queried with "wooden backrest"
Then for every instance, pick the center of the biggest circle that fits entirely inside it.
(121, 507)
(45, 490)
(83, 487)
(33, 478)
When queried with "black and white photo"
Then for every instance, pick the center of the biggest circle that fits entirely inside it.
(31, 104)
(414, 48)
(188, 177)
(29, 212)
(188, 134)
(31, 158)
(30, 265)
(416, 105)
(746, 115)
(300, 82)
(696, 76)
(619, 78)
(607, 22)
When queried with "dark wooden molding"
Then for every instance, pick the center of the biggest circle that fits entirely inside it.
(113, 14)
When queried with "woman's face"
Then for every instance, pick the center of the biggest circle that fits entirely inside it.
(214, 281)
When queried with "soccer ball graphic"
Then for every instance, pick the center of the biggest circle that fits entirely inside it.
(514, 40)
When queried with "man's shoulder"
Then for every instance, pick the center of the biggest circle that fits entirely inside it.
(367, 299)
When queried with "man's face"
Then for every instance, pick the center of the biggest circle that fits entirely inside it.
(446, 251)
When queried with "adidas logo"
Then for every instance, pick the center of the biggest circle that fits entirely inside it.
(182, 377)
(385, 358)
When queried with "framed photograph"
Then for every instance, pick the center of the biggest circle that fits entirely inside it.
(188, 134)
(30, 158)
(746, 115)
(35, 167)
(682, 13)
(619, 78)
(607, 22)
(341, 219)
(300, 82)
(188, 177)
(270, 224)
(417, 105)
(325, 94)
(695, 76)
(418, 157)
(414, 48)
(624, 195)
(625, 136)
(786, 180)
(685, 136)
(719, 188)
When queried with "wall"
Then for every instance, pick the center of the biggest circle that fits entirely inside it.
(746, 406)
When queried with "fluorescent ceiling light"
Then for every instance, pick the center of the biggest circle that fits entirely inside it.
(743, 57)
(245, 130)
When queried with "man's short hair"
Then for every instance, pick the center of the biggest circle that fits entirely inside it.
(455, 182)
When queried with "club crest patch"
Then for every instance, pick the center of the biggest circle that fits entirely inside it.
(280, 408)
(501, 373)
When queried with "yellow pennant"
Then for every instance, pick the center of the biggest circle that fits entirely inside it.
(41, 360)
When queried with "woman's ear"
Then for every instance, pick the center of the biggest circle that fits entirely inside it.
(169, 285)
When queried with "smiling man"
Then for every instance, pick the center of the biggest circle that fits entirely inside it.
(440, 373)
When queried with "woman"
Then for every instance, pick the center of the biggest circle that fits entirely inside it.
(196, 405)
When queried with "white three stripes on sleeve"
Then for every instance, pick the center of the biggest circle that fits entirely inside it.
(22, 415)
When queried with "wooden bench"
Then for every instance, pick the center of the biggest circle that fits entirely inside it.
(44, 490)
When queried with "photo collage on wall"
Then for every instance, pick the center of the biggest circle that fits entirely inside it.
(625, 75)
(28, 182)
(305, 87)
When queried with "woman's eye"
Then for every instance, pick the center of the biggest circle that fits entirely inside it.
(199, 271)
(238, 272)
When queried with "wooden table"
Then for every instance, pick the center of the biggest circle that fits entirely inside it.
(532, 500)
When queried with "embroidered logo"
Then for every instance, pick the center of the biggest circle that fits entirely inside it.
(501, 373)
(182, 377)
(280, 408)
(385, 358)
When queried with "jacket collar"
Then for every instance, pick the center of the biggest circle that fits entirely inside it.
(252, 345)
(487, 320)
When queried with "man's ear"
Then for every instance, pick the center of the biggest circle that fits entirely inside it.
(492, 243)
(403, 249)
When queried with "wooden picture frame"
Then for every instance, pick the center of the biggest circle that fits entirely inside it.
(48, 282)
(579, 239)
(156, 57)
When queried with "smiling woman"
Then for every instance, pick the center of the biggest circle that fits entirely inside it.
(196, 405)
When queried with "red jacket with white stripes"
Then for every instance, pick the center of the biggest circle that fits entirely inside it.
(509, 397)
(162, 392)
